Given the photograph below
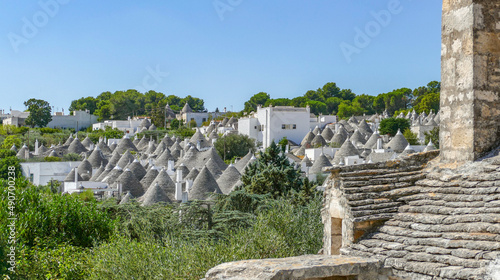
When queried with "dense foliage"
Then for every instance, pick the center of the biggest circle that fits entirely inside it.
(330, 99)
(122, 104)
(234, 145)
(39, 112)
(273, 174)
(391, 126)
(433, 136)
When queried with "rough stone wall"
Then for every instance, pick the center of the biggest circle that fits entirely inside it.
(362, 197)
(470, 79)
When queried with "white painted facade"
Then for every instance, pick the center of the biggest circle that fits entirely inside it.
(273, 123)
(77, 120)
(41, 173)
(198, 117)
(130, 126)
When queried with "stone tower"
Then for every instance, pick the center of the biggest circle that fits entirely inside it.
(470, 69)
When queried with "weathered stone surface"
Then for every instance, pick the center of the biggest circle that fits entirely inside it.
(470, 79)
(303, 267)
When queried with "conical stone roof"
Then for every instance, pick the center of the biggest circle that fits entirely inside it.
(316, 130)
(109, 167)
(398, 143)
(126, 199)
(104, 148)
(227, 180)
(213, 168)
(307, 139)
(358, 138)
(71, 176)
(318, 141)
(300, 151)
(76, 147)
(97, 173)
(85, 168)
(115, 158)
(145, 123)
(143, 143)
(372, 141)
(125, 144)
(112, 175)
(155, 194)
(137, 169)
(130, 183)
(204, 186)
(347, 149)
(113, 147)
(199, 138)
(186, 108)
(240, 165)
(69, 140)
(165, 183)
(162, 160)
(87, 142)
(430, 147)
(319, 163)
(364, 127)
(327, 133)
(42, 150)
(149, 178)
(338, 138)
(306, 161)
(96, 158)
(125, 159)
(192, 174)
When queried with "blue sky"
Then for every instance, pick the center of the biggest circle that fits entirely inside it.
(222, 51)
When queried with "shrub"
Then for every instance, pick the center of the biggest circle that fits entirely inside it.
(51, 159)
(411, 137)
(71, 157)
(234, 145)
(391, 125)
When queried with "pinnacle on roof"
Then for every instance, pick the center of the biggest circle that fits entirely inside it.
(398, 143)
(227, 180)
(204, 186)
(319, 163)
(183, 168)
(69, 140)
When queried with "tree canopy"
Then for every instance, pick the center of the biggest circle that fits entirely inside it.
(392, 125)
(122, 104)
(40, 112)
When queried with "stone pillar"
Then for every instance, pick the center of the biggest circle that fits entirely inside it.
(470, 77)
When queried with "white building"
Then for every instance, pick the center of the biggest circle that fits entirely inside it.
(15, 117)
(77, 120)
(41, 173)
(273, 123)
(129, 126)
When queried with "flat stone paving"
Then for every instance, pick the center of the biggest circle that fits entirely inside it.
(302, 267)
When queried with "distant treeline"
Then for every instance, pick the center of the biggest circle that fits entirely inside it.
(330, 99)
(122, 104)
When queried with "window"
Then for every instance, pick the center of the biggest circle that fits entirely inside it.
(288, 126)
(204, 120)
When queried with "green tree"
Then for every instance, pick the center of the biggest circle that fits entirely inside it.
(174, 124)
(411, 137)
(39, 112)
(392, 125)
(258, 99)
(434, 136)
(10, 161)
(428, 102)
(315, 96)
(317, 107)
(11, 140)
(330, 90)
(366, 102)
(273, 174)
(84, 103)
(347, 94)
(278, 102)
(300, 101)
(196, 104)
(234, 145)
(332, 105)
(348, 109)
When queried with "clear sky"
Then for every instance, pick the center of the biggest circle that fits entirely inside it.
(222, 51)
